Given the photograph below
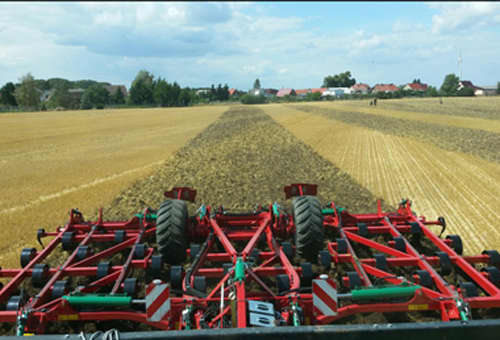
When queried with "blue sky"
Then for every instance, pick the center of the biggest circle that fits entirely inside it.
(285, 44)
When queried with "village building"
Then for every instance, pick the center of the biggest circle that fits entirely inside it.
(286, 92)
(489, 90)
(302, 92)
(478, 91)
(320, 90)
(360, 88)
(385, 88)
(336, 91)
(415, 87)
(271, 92)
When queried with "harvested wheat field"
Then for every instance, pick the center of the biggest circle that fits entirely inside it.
(54, 161)
(447, 171)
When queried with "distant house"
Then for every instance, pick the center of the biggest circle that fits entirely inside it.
(271, 92)
(336, 91)
(232, 92)
(386, 88)
(302, 92)
(263, 92)
(201, 91)
(489, 90)
(113, 88)
(319, 90)
(466, 83)
(286, 92)
(360, 88)
(415, 87)
(478, 91)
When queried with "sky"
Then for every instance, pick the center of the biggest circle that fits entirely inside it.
(284, 44)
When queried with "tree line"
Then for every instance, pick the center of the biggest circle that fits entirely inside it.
(146, 90)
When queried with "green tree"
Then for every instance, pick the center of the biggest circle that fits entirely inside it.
(54, 83)
(27, 95)
(431, 92)
(42, 84)
(339, 80)
(256, 84)
(416, 81)
(220, 93)
(250, 99)
(213, 93)
(316, 96)
(175, 93)
(85, 84)
(465, 92)
(450, 85)
(95, 96)
(86, 103)
(141, 91)
(61, 96)
(185, 97)
(7, 95)
(225, 92)
(161, 92)
(498, 87)
(118, 97)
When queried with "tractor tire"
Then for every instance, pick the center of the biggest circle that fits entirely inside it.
(309, 232)
(171, 231)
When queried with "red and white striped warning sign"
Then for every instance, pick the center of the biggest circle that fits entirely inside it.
(325, 297)
(157, 300)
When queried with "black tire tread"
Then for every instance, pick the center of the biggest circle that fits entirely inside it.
(170, 231)
(309, 233)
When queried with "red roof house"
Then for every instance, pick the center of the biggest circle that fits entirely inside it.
(232, 91)
(360, 87)
(467, 83)
(384, 88)
(320, 90)
(286, 92)
(303, 92)
(415, 87)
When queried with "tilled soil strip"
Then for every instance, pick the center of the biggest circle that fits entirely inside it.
(241, 160)
(483, 144)
(462, 107)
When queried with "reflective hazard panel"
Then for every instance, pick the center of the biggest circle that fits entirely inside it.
(157, 300)
(325, 300)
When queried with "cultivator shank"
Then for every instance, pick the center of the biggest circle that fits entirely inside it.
(315, 265)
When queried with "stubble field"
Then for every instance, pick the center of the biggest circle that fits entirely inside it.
(55, 161)
(239, 156)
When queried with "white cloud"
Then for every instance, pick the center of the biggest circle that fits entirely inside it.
(464, 15)
(109, 19)
(198, 44)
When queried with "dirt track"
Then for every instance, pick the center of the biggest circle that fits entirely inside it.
(243, 159)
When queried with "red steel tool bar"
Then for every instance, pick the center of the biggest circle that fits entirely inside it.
(270, 267)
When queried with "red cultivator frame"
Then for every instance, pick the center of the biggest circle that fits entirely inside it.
(218, 269)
